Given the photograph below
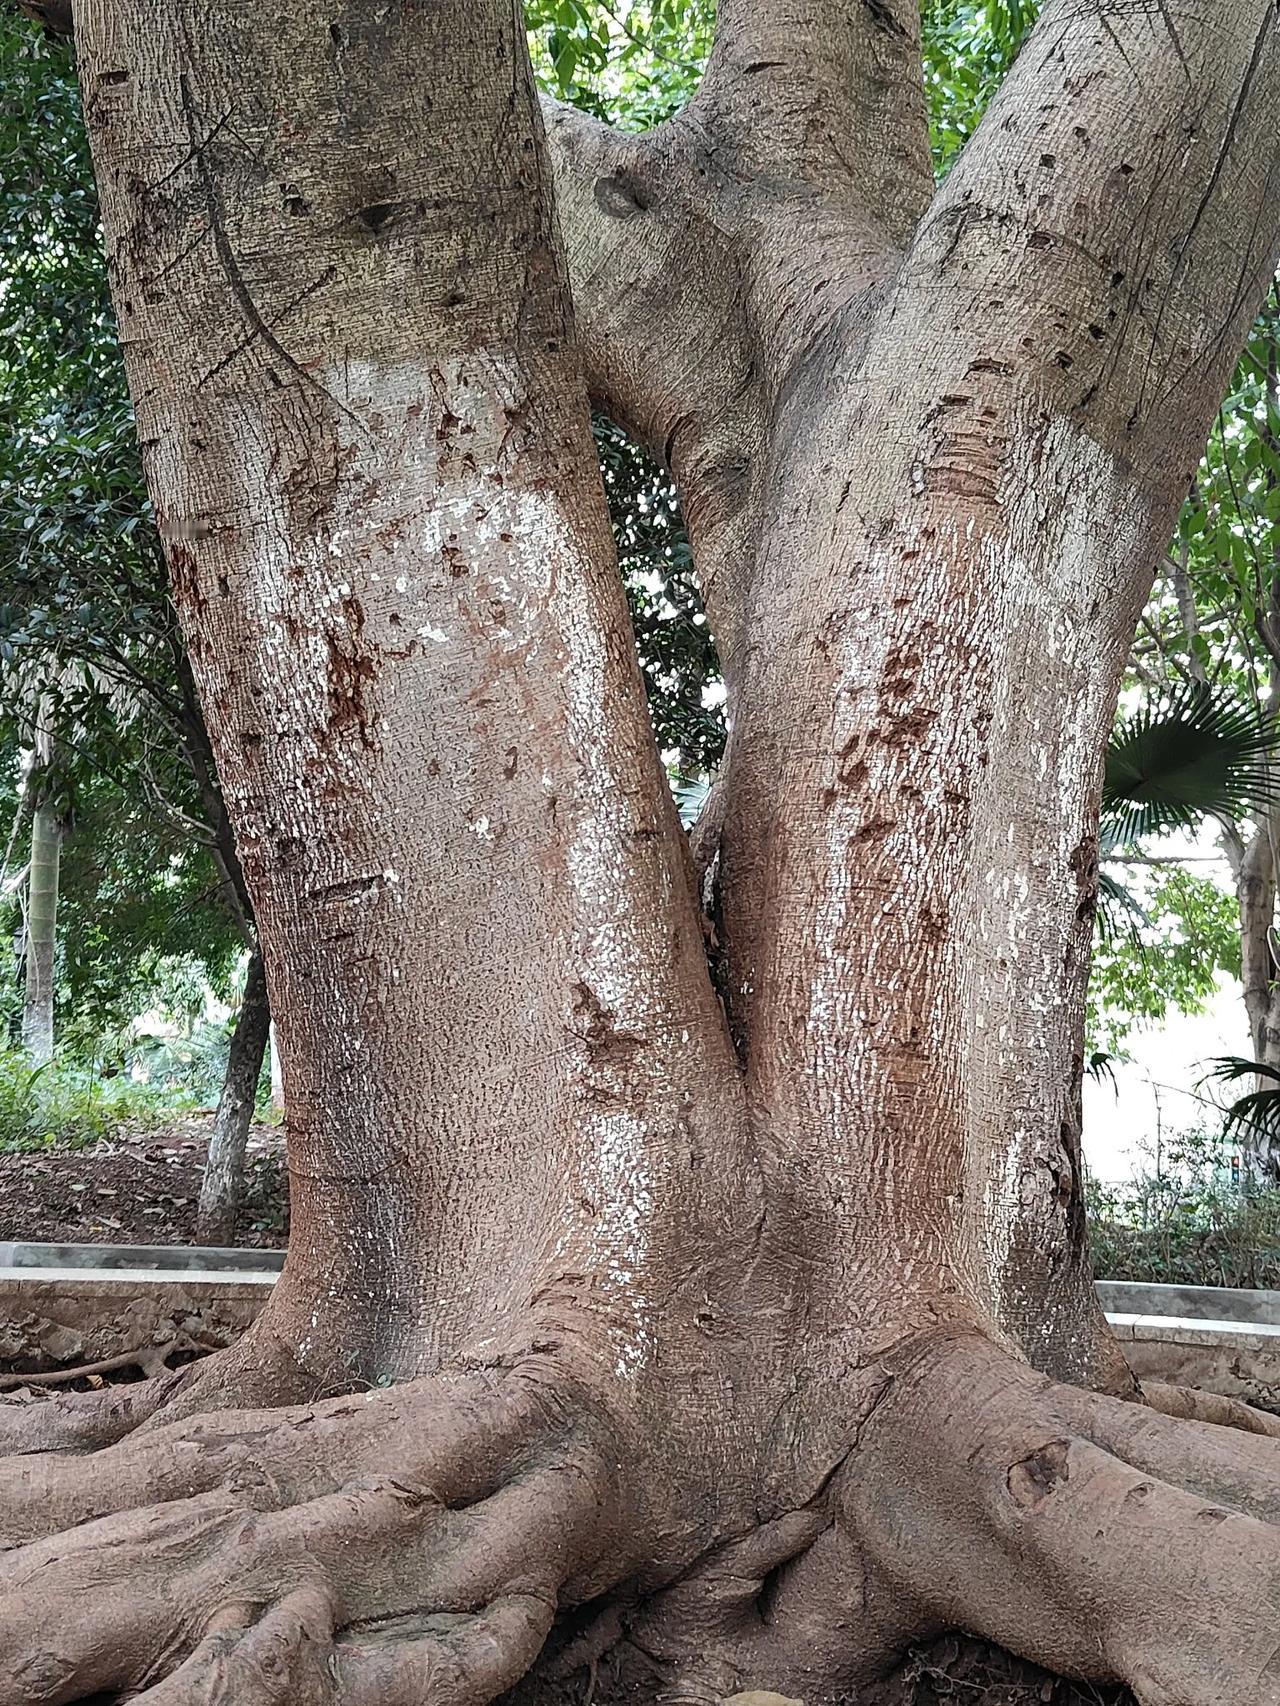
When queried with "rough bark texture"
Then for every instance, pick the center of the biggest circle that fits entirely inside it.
(731, 1340)
(222, 1187)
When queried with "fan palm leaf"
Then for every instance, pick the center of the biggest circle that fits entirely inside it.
(1258, 1112)
(1199, 754)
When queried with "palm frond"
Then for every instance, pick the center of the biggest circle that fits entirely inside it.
(1230, 1068)
(690, 798)
(1119, 910)
(1199, 754)
(1100, 1066)
(1257, 1114)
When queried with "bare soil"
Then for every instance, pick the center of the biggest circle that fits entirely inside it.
(138, 1187)
(953, 1671)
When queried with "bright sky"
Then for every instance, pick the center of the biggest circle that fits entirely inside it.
(1159, 1089)
(1160, 1092)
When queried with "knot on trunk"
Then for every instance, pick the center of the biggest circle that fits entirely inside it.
(1034, 1478)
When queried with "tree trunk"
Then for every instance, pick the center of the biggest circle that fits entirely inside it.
(277, 1076)
(1256, 896)
(222, 1187)
(713, 1338)
(41, 932)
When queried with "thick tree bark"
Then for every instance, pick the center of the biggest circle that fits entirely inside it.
(222, 1188)
(712, 1335)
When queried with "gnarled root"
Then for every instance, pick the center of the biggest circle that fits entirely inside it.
(406, 1544)
(260, 1369)
(1092, 1536)
(416, 1543)
(1190, 1404)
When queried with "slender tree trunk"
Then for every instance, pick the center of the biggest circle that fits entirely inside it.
(714, 1338)
(222, 1187)
(277, 1075)
(1257, 868)
(1256, 898)
(41, 932)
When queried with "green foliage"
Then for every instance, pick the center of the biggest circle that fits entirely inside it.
(677, 653)
(968, 50)
(1188, 932)
(84, 577)
(1184, 1222)
(634, 63)
(1255, 1116)
(1200, 755)
(69, 1106)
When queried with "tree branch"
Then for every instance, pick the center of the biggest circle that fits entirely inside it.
(660, 293)
(1121, 202)
(830, 91)
(55, 15)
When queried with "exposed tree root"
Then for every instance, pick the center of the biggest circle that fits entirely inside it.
(260, 1370)
(417, 1543)
(81, 1421)
(402, 1545)
(152, 1361)
(1188, 1403)
(1095, 1538)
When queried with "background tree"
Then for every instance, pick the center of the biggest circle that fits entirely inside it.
(87, 583)
(1208, 660)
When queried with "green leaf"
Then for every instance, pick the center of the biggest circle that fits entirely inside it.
(1199, 754)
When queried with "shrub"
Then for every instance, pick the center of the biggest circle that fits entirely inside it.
(1186, 1222)
(71, 1106)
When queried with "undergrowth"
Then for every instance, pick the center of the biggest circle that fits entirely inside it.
(71, 1106)
(1186, 1221)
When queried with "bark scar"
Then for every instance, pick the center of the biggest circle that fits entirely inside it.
(1032, 1480)
(231, 266)
(596, 1024)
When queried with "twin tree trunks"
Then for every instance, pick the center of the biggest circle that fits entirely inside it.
(694, 1327)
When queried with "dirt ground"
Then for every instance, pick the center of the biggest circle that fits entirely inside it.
(137, 1187)
(954, 1671)
(959, 1672)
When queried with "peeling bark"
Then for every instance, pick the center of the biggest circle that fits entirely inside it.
(613, 1323)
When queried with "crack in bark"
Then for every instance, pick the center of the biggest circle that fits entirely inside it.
(231, 266)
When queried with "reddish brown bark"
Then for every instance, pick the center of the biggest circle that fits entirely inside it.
(720, 1341)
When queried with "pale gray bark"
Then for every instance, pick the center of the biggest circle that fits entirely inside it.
(222, 1187)
(41, 932)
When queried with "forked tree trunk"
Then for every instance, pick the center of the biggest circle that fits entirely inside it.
(712, 1334)
(222, 1187)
